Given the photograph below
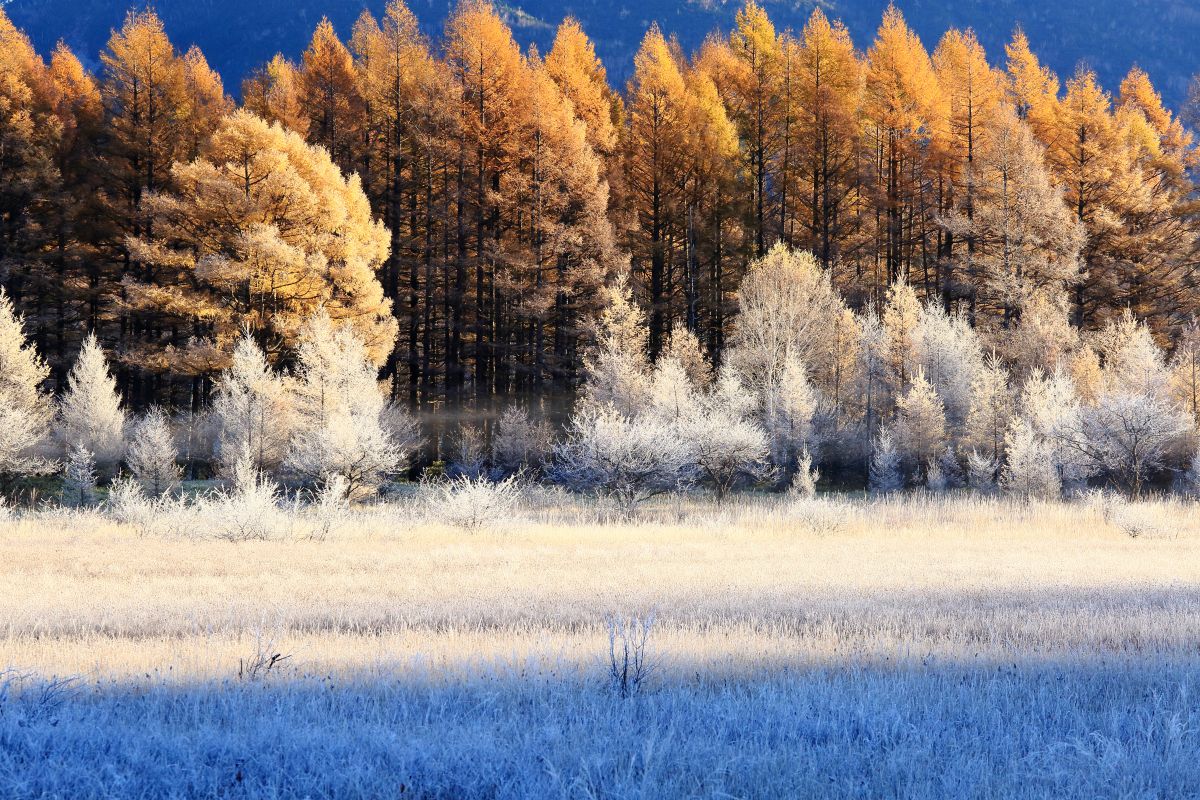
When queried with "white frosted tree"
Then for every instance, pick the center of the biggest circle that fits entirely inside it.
(520, 442)
(788, 407)
(253, 410)
(628, 458)
(947, 350)
(901, 318)
(683, 346)
(79, 478)
(885, 476)
(727, 446)
(1132, 435)
(151, 455)
(1135, 427)
(787, 310)
(25, 410)
(90, 414)
(1030, 470)
(872, 372)
(673, 396)
(340, 412)
(1051, 406)
(616, 369)
(1042, 337)
(992, 408)
(921, 424)
(982, 472)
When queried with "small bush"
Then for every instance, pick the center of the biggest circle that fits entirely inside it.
(472, 504)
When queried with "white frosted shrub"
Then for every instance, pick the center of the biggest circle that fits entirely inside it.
(473, 504)
(248, 509)
(629, 459)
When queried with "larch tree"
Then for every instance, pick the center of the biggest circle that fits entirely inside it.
(827, 81)
(616, 369)
(492, 85)
(329, 96)
(261, 231)
(573, 65)
(712, 246)
(90, 414)
(920, 428)
(752, 92)
(207, 103)
(973, 92)
(1090, 156)
(152, 457)
(146, 102)
(657, 101)
(1153, 262)
(1032, 89)
(903, 110)
(31, 183)
(272, 92)
(992, 409)
(1026, 238)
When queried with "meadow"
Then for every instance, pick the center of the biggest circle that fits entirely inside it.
(907, 646)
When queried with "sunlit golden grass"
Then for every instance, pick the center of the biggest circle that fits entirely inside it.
(758, 585)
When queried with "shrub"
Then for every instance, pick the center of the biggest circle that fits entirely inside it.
(472, 504)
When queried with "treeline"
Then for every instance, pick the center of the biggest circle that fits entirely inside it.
(462, 203)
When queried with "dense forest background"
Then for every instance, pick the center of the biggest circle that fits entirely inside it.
(1109, 36)
(462, 201)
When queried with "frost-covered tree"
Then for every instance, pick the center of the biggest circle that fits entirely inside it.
(90, 414)
(79, 478)
(673, 397)
(885, 475)
(901, 318)
(920, 424)
(1025, 237)
(684, 347)
(519, 442)
(253, 410)
(787, 309)
(151, 457)
(1030, 470)
(992, 408)
(629, 458)
(727, 446)
(340, 411)
(1041, 338)
(1134, 427)
(1131, 435)
(872, 371)
(788, 406)
(982, 472)
(947, 350)
(616, 369)
(804, 482)
(1051, 406)
(25, 410)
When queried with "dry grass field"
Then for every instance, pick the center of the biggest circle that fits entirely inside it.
(919, 647)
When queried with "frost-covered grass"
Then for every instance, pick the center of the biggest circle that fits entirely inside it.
(922, 648)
